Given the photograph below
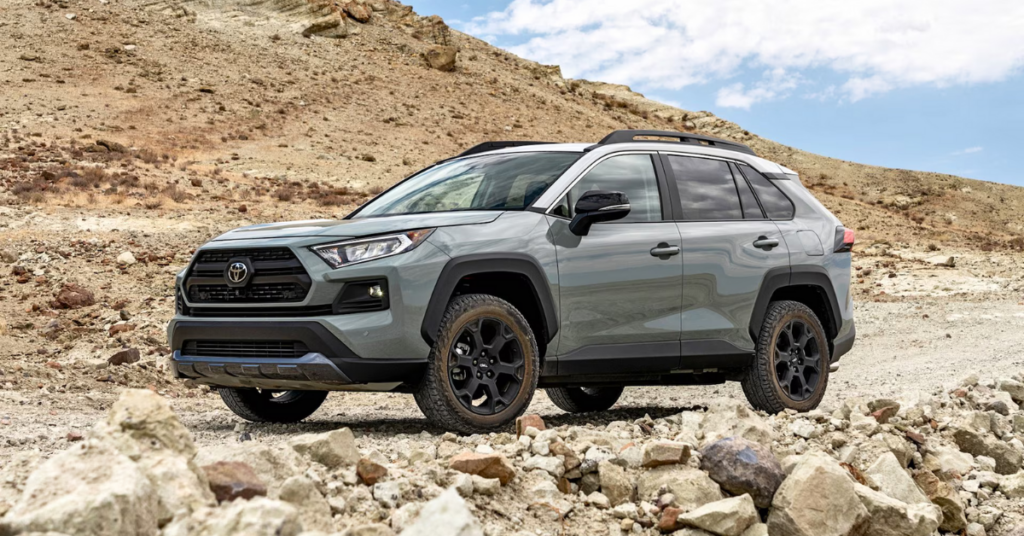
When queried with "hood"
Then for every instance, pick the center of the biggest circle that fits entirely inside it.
(359, 227)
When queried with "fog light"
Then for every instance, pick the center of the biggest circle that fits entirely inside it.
(376, 292)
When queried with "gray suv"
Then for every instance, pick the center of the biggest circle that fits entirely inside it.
(649, 258)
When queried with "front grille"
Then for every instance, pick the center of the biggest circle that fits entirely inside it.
(261, 349)
(277, 277)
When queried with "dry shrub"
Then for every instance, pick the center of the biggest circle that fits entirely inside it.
(153, 203)
(285, 194)
(174, 194)
(332, 200)
(376, 189)
(148, 156)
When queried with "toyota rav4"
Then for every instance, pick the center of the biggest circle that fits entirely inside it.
(649, 258)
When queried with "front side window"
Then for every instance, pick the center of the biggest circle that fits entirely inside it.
(631, 174)
(491, 182)
(775, 203)
(707, 190)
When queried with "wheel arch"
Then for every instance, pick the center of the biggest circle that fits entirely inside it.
(807, 284)
(537, 305)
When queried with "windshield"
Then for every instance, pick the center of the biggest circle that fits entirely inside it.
(492, 182)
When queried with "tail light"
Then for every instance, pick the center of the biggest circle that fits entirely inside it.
(844, 239)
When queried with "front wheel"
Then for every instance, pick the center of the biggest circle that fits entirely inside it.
(791, 364)
(483, 369)
(584, 399)
(262, 405)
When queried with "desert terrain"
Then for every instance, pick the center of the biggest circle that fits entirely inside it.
(132, 131)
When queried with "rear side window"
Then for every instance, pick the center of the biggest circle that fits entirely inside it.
(775, 203)
(707, 190)
(751, 210)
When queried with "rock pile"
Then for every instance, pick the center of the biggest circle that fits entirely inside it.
(925, 464)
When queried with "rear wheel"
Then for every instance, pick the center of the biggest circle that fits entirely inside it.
(584, 399)
(791, 365)
(263, 405)
(483, 368)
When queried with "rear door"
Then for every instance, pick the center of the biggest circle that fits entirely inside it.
(729, 246)
(621, 285)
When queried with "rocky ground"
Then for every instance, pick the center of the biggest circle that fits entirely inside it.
(132, 131)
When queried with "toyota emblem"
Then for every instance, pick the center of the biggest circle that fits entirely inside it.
(238, 272)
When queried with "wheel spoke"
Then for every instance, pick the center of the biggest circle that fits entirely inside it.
(469, 389)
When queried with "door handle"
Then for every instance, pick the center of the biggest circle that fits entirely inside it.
(664, 250)
(766, 243)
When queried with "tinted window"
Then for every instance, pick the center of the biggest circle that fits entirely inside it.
(631, 174)
(775, 203)
(491, 182)
(751, 210)
(706, 189)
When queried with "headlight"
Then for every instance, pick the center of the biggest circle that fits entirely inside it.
(367, 249)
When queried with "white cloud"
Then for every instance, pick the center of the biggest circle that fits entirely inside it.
(775, 84)
(969, 150)
(877, 45)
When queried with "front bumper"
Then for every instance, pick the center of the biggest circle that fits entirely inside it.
(327, 364)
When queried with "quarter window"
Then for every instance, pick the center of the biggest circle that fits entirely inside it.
(707, 190)
(751, 210)
(775, 203)
(631, 174)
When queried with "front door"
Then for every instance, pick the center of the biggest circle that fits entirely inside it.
(621, 285)
(729, 246)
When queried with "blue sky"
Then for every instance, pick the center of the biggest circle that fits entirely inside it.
(935, 85)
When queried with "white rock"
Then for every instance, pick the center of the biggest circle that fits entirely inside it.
(727, 517)
(891, 479)
(126, 258)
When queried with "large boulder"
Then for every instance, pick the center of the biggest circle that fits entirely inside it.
(442, 58)
(944, 496)
(1013, 485)
(446, 515)
(690, 487)
(742, 466)
(817, 499)
(731, 418)
(889, 477)
(727, 517)
(486, 465)
(142, 426)
(333, 449)
(890, 517)
(91, 488)
(947, 462)
(330, 26)
(256, 517)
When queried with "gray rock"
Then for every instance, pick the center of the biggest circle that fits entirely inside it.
(727, 517)
(742, 466)
(313, 508)
(732, 418)
(817, 499)
(615, 483)
(447, 515)
(889, 477)
(1013, 485)
(255, 517)
(334, 449)
(1013, 387)
(92, 488)
(1008, 460)
(891, 517)
(689, 487)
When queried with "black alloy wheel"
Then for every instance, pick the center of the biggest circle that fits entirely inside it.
(486, 366)
(797, 360)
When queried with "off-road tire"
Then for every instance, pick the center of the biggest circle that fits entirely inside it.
(584, 399)
(761, 384)
(435, 394)
(262, 406)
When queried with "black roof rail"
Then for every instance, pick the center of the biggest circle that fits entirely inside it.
(629, 136)
(495, 145)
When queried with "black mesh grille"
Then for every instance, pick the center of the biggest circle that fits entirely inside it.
(260, 349)
(277, 277)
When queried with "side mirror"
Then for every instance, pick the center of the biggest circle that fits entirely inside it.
(597, 206)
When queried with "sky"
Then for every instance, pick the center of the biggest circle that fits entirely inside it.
(932, 85)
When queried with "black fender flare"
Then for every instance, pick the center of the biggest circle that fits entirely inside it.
(459, 267)
(800, 275)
